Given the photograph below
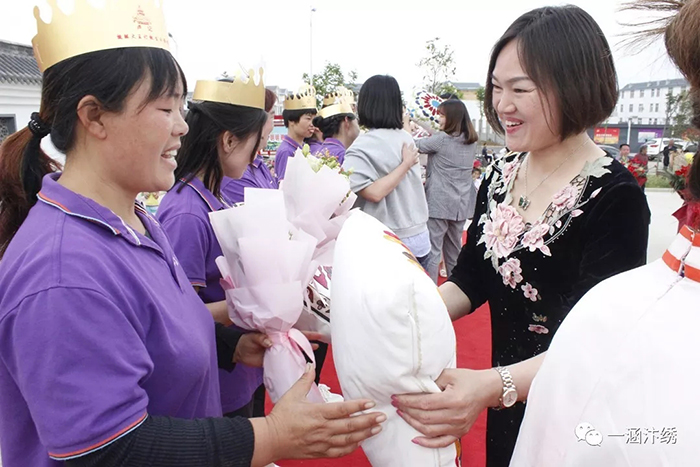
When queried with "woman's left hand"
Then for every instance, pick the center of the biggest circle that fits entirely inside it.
(447, 416)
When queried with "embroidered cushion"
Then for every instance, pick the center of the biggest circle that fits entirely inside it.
(391, 334)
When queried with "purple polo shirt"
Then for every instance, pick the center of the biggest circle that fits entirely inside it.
(286, 149)
(334, 148)
(99, 327)
(185, 218)
(314, 145)
(257, 175)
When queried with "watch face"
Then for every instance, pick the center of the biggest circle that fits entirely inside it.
(510, 397)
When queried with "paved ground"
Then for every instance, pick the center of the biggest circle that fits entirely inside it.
(663, 225)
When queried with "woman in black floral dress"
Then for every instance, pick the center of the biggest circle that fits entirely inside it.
(552, 220)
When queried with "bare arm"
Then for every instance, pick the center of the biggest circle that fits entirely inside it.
(458, 304)
(380, 189)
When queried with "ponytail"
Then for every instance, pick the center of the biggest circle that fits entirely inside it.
(22, 166)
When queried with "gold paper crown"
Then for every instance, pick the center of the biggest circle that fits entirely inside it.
(336, 107)
(305, 98)
(239, 92)
(123, 23)
(340, 92)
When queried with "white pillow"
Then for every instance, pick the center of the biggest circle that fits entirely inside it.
(391, 334)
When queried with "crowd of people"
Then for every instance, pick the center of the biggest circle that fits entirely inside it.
(116, 346)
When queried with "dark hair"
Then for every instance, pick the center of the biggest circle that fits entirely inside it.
(295, 115)
(624, 144)
(199, 151)
(110, 76)
(380, 104)
(640, 149)
(457, 120)
(330, 126)
(562, 50)
(270, 99)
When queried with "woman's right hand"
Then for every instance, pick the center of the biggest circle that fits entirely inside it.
(409, 154)
(303, 430)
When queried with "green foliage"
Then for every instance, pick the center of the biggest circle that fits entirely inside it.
(438, 66)
(658, 181)
(328, 79)
(480, 96)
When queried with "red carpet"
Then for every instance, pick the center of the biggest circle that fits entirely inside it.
(473, 351)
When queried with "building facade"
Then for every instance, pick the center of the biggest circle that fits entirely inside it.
(20, 87)
(645, 103)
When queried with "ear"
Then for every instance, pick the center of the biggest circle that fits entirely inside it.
(91, 116)
(228, 142)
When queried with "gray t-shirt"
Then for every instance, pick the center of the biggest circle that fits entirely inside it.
(374, 155)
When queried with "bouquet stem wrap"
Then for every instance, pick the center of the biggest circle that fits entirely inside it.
(272, 246)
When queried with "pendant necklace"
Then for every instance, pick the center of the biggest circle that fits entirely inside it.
(524, 201)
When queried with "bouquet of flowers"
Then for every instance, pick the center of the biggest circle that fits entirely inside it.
(638, 170)
(679, 180)
(266, 287)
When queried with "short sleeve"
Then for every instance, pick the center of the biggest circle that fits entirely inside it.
(363, 171)
(190, 240)
(617, 235)
(78, 362)
(468, 274)
(431, 144)
(281, 164)
(234, 190)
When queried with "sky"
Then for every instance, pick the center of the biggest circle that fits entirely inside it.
(370, 36)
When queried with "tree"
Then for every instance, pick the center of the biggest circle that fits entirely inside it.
(438, 67)
(329, 79)
(480, 96)
(672, 106)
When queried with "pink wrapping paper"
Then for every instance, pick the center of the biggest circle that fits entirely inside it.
(272, 245)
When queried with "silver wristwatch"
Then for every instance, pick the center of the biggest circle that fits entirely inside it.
(510, 394)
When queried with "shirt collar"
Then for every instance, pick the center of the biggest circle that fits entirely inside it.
(212, 202)
(683, 256)
(256, 163)
(333, 142)
(56, 195)
(291, 141)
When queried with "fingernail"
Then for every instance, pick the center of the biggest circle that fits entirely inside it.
(376, 430)
(394, 398)
(369, 405)
(395, 403)
(414, 441)
(267, 342)
(400, 413)
(309, 367)
(381, 418)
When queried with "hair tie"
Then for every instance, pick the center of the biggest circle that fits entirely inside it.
(37, 126)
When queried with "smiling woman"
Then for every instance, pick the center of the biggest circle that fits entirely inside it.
(553, 218)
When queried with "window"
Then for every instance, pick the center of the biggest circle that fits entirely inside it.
(7, 127)
(631, 107)
(632, 94)
(657, 108)
(641, 93)
(641, 107)
(622, 96)
(622, 109)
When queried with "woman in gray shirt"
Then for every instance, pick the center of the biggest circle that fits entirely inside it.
(449, 187)
(385, 174)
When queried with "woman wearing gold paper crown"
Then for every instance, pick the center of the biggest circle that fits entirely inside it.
(108, 354)
(298, 114)
(339, 125)
(226, 122)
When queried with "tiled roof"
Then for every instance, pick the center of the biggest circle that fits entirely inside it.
(465, 86)
(17, 64)
(666, 83)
